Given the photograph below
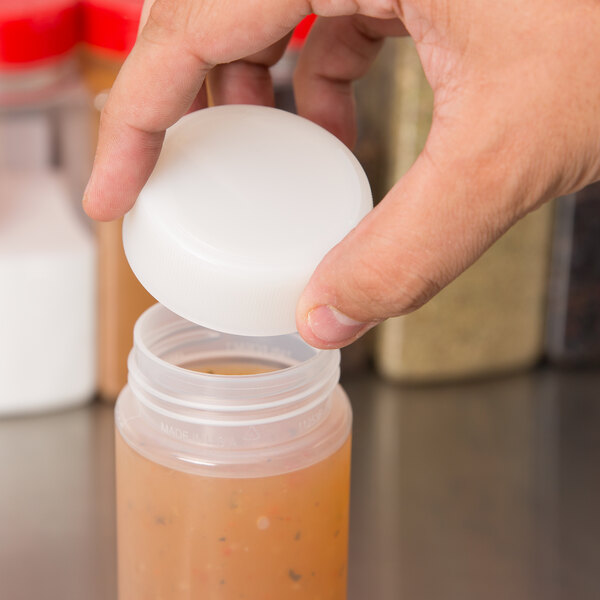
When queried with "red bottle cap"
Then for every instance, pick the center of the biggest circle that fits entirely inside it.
(301, 32)
(36, 30)
(111, 25)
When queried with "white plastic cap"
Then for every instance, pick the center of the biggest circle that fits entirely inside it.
(243, 204)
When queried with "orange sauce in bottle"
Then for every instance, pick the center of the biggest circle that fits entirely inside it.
(187, 536)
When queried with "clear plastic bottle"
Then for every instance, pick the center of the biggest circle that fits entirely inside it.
(233, 449)
(230, 485)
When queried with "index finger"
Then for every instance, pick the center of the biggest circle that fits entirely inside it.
(155, 87)
(161, 78)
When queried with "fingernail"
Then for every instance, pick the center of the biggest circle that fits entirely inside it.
(333, 327)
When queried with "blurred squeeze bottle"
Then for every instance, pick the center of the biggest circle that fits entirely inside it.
(109, 32)
(491, 318)
(282, 72)
(47, 253)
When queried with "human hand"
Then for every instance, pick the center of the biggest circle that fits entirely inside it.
(516, 99)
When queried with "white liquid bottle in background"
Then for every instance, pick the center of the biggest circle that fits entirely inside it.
(47, 253)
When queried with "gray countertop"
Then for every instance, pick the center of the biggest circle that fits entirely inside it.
(482, 490)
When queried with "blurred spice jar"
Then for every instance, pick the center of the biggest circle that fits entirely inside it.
(491, 318)
(573, 334)
(109, 32)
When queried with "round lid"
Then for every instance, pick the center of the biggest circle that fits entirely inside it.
(111, 24)
(36, 30)
(243, 204)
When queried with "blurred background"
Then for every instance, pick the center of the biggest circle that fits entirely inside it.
(477, 441)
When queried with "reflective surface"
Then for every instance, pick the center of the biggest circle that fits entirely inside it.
(487, 490)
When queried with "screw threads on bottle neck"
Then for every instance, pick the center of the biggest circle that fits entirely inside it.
(227, 410)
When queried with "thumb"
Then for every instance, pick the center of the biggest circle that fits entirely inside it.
(431, 226)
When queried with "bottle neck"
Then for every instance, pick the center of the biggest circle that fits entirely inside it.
(236, 411)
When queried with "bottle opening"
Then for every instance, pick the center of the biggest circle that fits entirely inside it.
(215, 388)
